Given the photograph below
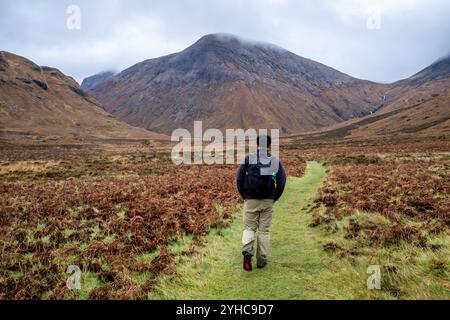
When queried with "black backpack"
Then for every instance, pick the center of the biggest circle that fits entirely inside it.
(257, 185)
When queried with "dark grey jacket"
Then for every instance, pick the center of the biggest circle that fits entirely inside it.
(280, 182)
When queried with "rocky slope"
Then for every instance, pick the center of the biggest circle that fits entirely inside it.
(42, 104)
(231, 83)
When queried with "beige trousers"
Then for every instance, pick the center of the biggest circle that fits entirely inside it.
(257, 219)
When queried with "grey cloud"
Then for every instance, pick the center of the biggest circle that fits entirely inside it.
(116, 33)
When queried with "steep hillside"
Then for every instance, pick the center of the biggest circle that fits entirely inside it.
(419, 105)
(42, 104)
(428, 84)
(231, 83)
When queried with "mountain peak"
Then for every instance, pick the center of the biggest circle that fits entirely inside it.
(231, 82)
(438, 70)
(444, 59)
(92, 81)
(231, 40)
(219, 37)
(222, 37)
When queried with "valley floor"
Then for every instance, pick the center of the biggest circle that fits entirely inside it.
(299, 267)
(139, 227)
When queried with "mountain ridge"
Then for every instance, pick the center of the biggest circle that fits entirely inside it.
(94, 80)
(41, 104)
(226, 82)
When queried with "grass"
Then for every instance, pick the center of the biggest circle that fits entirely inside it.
(89, 282)
(294, 266)
(299, 268)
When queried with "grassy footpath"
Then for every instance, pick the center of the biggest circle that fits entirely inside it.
(299, 268)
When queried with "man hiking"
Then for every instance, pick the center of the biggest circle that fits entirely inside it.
(260, 181)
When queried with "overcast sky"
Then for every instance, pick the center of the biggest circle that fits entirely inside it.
(379, 40)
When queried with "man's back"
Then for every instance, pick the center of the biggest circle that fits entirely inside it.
(270, 168)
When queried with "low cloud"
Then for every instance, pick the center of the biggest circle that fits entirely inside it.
(117, 34)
